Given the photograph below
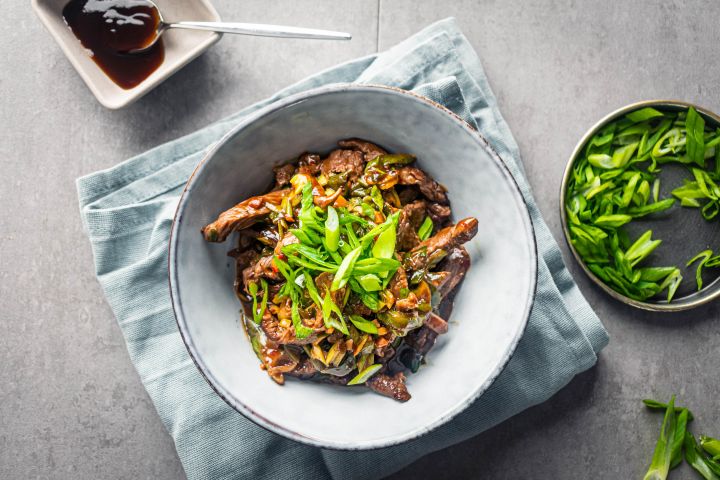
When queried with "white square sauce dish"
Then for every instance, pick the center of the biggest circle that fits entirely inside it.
(178, 49)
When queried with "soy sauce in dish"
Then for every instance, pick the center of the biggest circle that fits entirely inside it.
(108, 29)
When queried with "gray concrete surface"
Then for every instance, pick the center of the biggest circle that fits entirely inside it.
(71, 405)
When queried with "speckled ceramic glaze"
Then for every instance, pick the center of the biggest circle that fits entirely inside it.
(491, 309)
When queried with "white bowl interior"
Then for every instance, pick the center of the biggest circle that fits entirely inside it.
(180, 47)
(491, 308)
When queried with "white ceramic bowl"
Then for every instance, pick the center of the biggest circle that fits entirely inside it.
(491, 309)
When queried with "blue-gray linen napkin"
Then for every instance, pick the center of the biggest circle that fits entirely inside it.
(128, 210)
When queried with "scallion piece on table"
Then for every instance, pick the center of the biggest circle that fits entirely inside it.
(696, 458)
(657, 405)
(678, 439)
(710, 445)
(660, 465)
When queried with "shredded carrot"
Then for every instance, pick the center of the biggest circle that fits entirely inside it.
(340, 201)
(360, 345)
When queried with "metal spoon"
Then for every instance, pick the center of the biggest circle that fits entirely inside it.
(256, 29)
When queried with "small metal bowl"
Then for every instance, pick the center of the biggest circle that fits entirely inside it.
(695, 230)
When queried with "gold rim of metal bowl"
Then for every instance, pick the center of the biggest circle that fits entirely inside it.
(685, 303)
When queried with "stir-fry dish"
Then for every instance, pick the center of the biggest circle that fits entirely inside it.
(347, 268)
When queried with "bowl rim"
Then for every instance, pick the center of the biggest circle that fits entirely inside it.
(274, 427)
(710, 295)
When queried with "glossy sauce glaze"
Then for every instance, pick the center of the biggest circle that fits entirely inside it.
(111, 28)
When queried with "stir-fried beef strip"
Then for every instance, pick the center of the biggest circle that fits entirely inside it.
(408, 304)
(283, 174)
(384, 319)
(399, 283)
(454, 266)
(390, 386)
(411, 217)
(309, 163)
(422, 340)
(280, 331)
(431, 189)
(407, 194)
(369, 149)
(438, 213)
(355, 306)
(443, 241)
(304, 370)
(344, 162)
(261, 268)
(288, 239)
(436, 323)
(242, 215)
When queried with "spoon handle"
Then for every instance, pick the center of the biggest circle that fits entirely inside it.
(262, 30)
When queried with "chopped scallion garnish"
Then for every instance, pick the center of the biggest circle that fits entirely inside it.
(425, 229)
(363, 325)
(345, 270)
(365, 375)
(332, 230)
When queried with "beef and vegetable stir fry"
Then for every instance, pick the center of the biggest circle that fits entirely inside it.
(347, 269)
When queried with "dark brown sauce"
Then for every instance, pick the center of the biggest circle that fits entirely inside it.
(107, 28)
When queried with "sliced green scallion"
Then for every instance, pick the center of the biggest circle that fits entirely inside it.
(614, 182)
(660, 465)
(332, 230)
(425, 229)
(363, 325)
(365, 375)
(345, 269)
